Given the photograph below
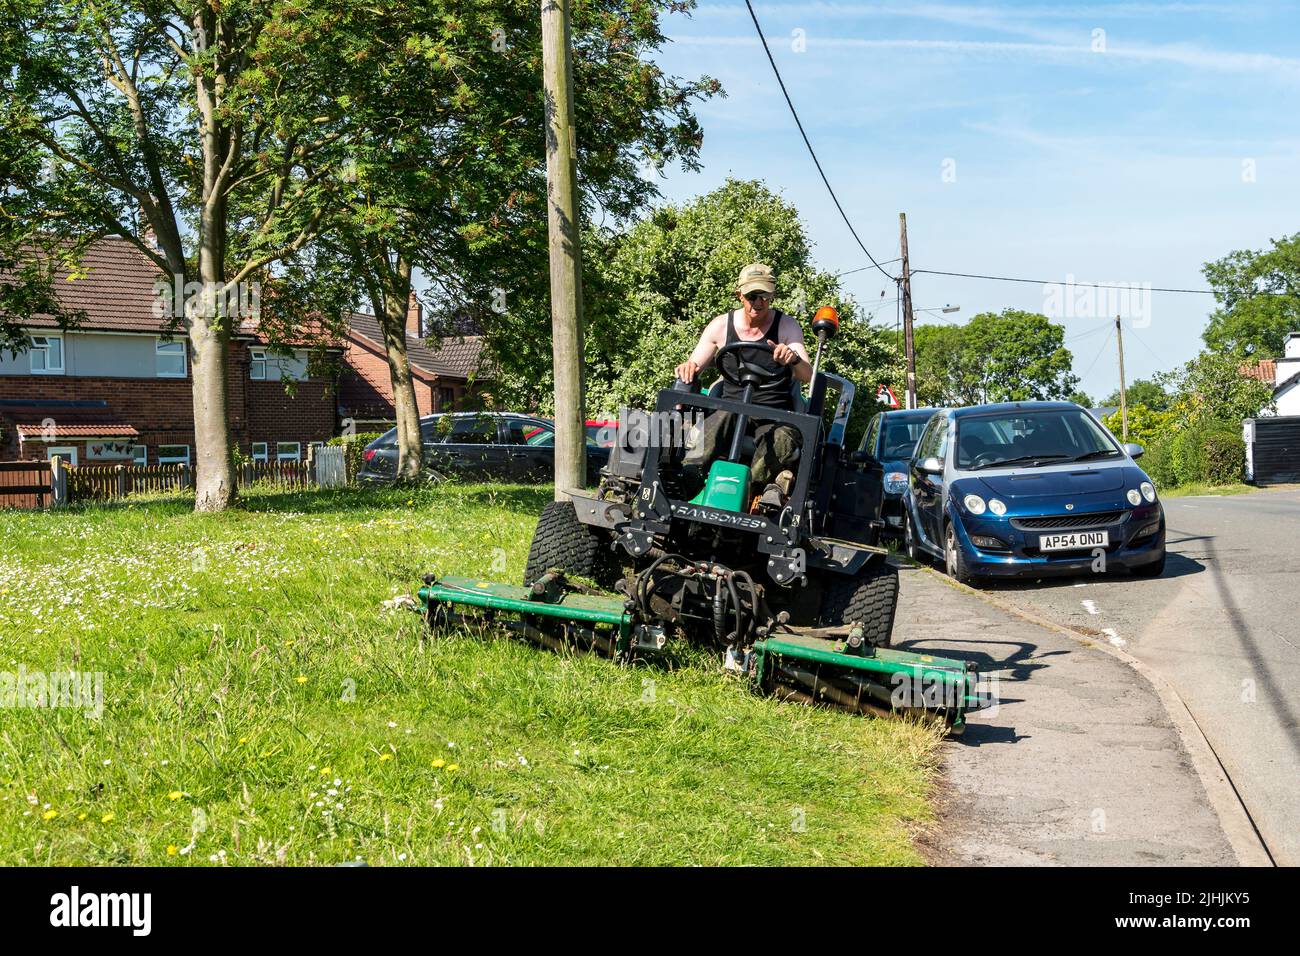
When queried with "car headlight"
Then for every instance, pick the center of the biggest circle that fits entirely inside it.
(1134, 498)
(1148, 491)
(895, 482)
(997, 507)
(974, 504)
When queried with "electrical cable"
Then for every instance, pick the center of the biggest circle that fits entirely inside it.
(806, 142)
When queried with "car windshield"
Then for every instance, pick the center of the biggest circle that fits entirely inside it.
(900, 439)
(1031, 438)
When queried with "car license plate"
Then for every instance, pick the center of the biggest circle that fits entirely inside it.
(1074, 540)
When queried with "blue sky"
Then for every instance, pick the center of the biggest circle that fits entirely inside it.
(1176, 142)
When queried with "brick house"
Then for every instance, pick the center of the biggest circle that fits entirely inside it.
(118, 388)
(445, 372)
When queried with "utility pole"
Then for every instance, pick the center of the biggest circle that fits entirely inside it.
(1123, 396)
(562, 220)
(906, 283)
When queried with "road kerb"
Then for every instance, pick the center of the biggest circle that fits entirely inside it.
(1237, 825)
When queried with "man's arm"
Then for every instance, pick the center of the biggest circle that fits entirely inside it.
(702, 356)
(791, 350)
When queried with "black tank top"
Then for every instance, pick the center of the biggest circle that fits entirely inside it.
(770, 397)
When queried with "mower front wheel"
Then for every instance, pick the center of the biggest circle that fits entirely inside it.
(868, 598)
(562, 541)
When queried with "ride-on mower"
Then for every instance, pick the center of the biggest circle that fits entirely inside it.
(787, 583)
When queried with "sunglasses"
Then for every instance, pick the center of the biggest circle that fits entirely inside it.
(752, 297)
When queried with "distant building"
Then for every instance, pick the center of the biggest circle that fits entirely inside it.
(1283, 374)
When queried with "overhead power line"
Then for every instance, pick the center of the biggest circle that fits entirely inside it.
(1095, 285)
(811, 152)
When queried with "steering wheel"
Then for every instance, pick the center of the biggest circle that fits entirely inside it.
(735, 367)
(979, 459)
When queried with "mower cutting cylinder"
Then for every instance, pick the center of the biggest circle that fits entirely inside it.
(845, 674)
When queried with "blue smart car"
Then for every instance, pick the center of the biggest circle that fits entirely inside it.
(1029, 489)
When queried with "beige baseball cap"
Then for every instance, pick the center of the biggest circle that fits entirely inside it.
(756, 276)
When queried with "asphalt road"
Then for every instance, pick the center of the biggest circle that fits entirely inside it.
(1222, 625)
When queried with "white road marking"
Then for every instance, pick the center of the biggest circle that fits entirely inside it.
(1089, 606)
(1113, 637)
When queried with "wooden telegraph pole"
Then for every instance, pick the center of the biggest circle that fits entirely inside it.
(562, 218)
(1123, 396)
(906, 283)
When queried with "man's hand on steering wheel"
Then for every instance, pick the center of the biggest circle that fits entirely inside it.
(735, 367)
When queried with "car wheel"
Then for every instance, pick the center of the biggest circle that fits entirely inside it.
(432, 477)
(1152, 570)
(953, 559)
(909, 538)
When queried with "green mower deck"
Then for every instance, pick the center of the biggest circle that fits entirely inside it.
(810, 669)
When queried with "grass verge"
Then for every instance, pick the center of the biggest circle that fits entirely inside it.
(260, 706)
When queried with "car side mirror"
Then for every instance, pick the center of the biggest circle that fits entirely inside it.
(861, 457)
(1134, 450)
(930, 466)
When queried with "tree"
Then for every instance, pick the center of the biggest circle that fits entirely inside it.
(1259, 299)
(655, 284)
(193, 121)
(1011, 356)
(1080, 398)
(1143, 391)
(943, 373)
(1211, 388)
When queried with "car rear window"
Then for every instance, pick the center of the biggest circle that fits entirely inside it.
(473, 431)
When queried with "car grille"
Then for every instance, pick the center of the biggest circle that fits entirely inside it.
(1054, 522)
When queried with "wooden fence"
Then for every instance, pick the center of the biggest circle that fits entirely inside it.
(38, 484)
(106, 482)
(25, 484)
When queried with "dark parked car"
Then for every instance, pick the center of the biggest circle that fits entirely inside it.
(1028, 489)
(480, 446)
(891, 438)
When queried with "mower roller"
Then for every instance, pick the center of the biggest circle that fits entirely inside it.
(789, 585)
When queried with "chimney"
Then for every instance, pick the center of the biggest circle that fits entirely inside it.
(1291, 349)
(414, 317)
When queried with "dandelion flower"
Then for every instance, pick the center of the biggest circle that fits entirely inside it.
(453, 766)
(324, 770)
(383, 757)
(49, 814)
(175, 795)
(82, 816)
(243, 740)
(172, 849)
(440, 762)
(301, 679)
(108, 817)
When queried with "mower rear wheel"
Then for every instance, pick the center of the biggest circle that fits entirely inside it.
(562, 541)
(868, 598)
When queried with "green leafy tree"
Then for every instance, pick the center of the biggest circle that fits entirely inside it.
(1080, 398)
(1144, 391)
(1011, 356)
(653, 286)
(448, 179)
(1146, 425)
(1259, 299)
(1211, 388)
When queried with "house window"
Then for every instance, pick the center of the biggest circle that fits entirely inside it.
(257, 367)
(170, 359)
(47, 355)
(139, 454)
(173, 454)
(259, 451)
(446, 398)
(288, 451)
(67, 452)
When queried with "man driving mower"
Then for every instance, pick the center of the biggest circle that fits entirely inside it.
(775, 444)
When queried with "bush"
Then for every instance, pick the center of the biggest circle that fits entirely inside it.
(353, 446)
(1158, 463)
(1212, 454)
(1223, 456)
